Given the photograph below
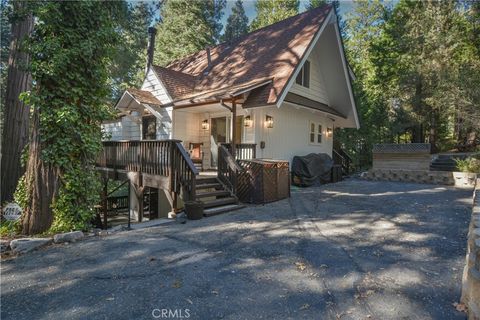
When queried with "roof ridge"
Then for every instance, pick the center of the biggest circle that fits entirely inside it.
(270, 25)
(236, 40)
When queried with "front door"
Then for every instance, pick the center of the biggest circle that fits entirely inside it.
(218, 135)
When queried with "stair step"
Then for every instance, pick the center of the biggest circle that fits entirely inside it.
(201, 180)
(209, 186)
(217, 210)
(213, 194)
(219, 202)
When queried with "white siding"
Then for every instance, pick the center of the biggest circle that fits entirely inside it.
(316, 90)
(131, 127)
(290, 133)
(113, 130)
(165, 124)
(152, 84)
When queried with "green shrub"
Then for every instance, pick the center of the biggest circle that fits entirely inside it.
(9, 228)
(470, 164)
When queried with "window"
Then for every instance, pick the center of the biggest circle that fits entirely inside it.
(303, 77)
(149, 125)
(315, 133)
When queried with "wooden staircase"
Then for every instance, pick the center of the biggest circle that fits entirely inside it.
(215, 196)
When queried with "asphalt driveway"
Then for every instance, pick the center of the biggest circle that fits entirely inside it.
(351, 250)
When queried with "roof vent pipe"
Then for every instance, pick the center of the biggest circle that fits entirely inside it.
(151, 47)
(209, 59)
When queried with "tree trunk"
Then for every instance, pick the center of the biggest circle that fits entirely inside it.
(41, 185)
(433, 134)
(16, 117)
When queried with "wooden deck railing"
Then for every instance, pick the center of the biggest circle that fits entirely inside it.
(244, 151)
(340, 157)
(228, 169)
(166, 158)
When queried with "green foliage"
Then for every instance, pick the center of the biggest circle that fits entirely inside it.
(271, 11)
(127, 67)
(187, 27)
(471, 164)
(9, 228)
(20, 195)
(315, 3)
(237, 23)
(70, 49)
(417, 73)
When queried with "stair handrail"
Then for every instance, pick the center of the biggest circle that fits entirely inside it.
(341, 157)
(228, 169)
(184, 171)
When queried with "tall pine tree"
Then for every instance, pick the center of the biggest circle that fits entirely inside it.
(271, 11)
(237, 23)
(128, 65)
(186, 27)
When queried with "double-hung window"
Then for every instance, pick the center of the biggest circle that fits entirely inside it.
(315, 133)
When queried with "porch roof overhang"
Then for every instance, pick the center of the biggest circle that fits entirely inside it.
(221, 95)
(301, 101)
(138, 100)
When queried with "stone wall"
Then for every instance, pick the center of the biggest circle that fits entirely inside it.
(471, 273)
(457, 179)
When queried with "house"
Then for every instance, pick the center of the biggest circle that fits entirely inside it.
(276, 92)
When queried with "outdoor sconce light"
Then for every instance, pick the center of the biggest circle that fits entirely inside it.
(248, 122)
(205, 124)
(269, 121)
(329, 132)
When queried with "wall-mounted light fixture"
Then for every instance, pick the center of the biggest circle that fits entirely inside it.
(269, 121)
(329, 132)
(248, 122)
(205, 124)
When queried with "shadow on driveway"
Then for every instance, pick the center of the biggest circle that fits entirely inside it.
(350, 250)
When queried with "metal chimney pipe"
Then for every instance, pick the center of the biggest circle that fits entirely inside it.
(209, 59)
(151, 46)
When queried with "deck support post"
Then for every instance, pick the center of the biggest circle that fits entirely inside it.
(138, 190)
(234, 127)
(104, 203)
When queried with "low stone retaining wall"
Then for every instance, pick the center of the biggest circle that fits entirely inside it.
(471, 272)
(457, 179)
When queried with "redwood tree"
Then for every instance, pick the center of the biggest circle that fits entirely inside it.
(70, 49)
(16, 113)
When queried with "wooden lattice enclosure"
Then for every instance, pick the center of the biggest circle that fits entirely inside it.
(263, 181)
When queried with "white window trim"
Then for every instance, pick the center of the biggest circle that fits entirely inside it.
(301, 73)
(316, 124)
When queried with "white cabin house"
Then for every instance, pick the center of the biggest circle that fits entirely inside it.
(280, 90)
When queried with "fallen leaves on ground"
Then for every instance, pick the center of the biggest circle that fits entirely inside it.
(461, 307)
(177, 284)
(300, 266)
(305, 306)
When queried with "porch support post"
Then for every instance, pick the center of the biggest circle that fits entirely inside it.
(234, 126)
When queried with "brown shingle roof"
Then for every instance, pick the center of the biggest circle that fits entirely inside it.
(177, 83)
(143, 96)
(270, 52)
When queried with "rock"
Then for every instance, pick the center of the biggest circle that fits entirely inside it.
(68, 237)
(4, 245)
(103, 233)
(25, 245)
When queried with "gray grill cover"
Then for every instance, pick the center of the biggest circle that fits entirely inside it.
(313, 168)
